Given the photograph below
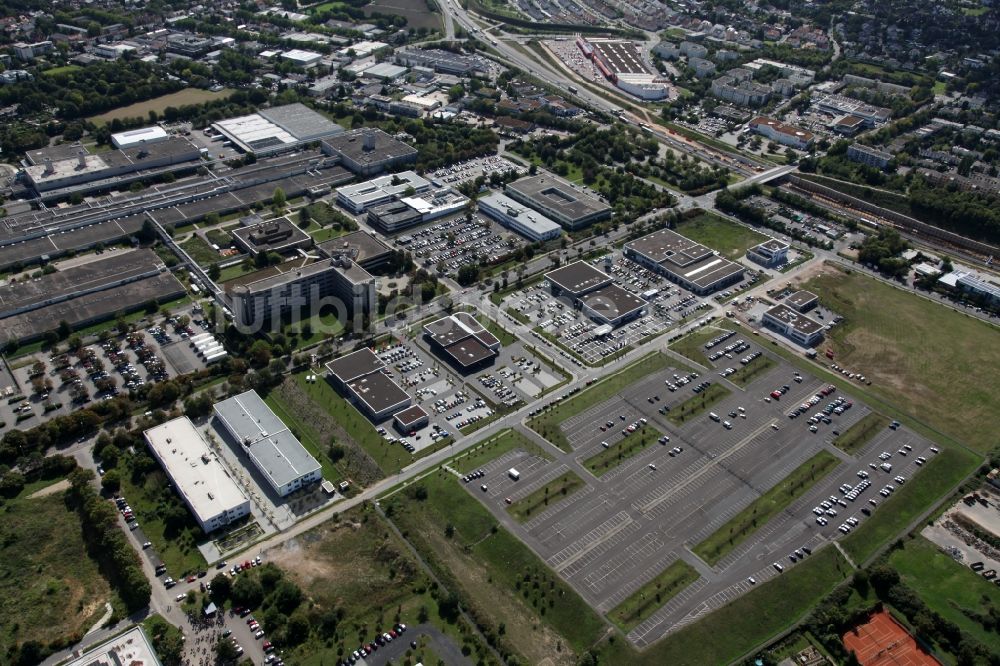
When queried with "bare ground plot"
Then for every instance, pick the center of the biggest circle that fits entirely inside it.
(158, 104)
(415, 12)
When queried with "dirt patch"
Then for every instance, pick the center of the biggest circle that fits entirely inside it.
(56, 487)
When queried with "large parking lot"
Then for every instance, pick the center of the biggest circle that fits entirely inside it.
(475, 167)
(631, 522)
(455, 242)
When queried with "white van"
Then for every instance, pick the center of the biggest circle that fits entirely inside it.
(715, 417)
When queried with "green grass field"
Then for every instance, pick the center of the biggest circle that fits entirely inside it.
(158, 104)
(936, 364)
(621, 451)
(718, 233)
(547, 423)
(493, 448)
(727, 633)
(947, 587)
(50, 588)
(200, 251)
(692, 345)
(893, 515)
(555, 490)
(306, 434)
(859, 434)
(653, 595)
(499, 578)
(725, 539)
(696, 404)
(747, 373)
(503, 335)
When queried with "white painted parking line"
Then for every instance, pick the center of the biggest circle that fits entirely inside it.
(589, 541)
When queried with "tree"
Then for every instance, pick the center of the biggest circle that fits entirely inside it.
(247, 591)
(468, 274)
(112, 481)
(222, 588)
(214, 272)
(278, 199)
(225, 651)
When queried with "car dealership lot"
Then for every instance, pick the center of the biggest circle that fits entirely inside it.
(620, 530)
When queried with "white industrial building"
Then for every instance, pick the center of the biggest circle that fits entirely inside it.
(138, 137)
(277, 129)
(200, 478)
(357, 198)
(301, 57)
(516, 216)
(267, 442)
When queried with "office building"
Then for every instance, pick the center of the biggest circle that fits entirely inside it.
(28, 52)
(200, 478)
(576, 279)
(277, 129)
(740, 90)
(369, 151)
(277, 235)
(770, 254)
(189, 45)
(802, 301)
(795, 326)
(411, 419)
(519, 218)
(611, 305)
(838, 105)
(695, 267)
(257, 432)
(358, 197)
(463, 341)
(558, 200)
(786, 135)
(365, 249)
(361, 377)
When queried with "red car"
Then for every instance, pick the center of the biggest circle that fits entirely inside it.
(192, 578)
(268, 646)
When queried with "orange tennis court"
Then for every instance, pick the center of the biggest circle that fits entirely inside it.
(884, 642)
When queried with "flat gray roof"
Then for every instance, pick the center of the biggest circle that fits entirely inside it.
(464, 338)
(613, 302)
(275, 451)
(378, 391)
(797, 320)
(271, 235)
(549, 192)
(363, 247)
(801, 298)
(577, 277)
(300, 121)
(411, 415)
(384, 147)
(684, 257)
(773, 244)
(469, 351)
(349, 367)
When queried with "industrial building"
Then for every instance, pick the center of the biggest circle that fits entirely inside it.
(278, 129)
(357, 198)
(463, 341)
(770, 254)
(786, 135)
(519, 218)
(369, 151)
(202, 481)
(697, 268)
(576, 279)
(795, 326)
(277, 454)
(278, 235)
(407, 211)
(440, 61)
(85, 172)
(359, 376)
(302, 58)
(138, 137)
(558, 200)
(595, 292)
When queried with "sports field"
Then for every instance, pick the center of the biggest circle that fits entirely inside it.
(881, 641)
(937, 365)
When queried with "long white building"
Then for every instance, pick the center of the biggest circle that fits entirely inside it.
(202, 481)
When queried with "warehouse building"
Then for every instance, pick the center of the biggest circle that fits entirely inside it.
(576, 279)
(202, 481)
(361, 378)
(612, 305)
(463, 341)
(278, 129)
(272, 448)
(369, 151)
(793, 325)
(519, 218)
(146, 135)
(440, 61)
(697, 268)
(358, 197)
(558, 200)
(770, 254)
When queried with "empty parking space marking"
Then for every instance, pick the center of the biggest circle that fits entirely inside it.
(589, 541)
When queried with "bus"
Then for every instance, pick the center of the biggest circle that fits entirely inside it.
(572, 89)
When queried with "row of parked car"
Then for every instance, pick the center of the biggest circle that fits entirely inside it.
(372, 646)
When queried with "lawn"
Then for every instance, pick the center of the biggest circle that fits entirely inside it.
(414, 11)
(50, 588)
(747, 373)
(547, 424)
(502, 334)
(616, 454)
(894, 515)
(729, 238)
(739, 528)
(513, 286)
(692, 345)
(726, 634)
(499, 579)
(947, 587)
(859, 434)
(938, 364)
(697, 404)
(493, 448)
(319, 327)
(653, 595)
(555, 490)
(200, 251)
(59, 71)
(158, 104)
